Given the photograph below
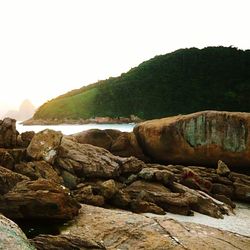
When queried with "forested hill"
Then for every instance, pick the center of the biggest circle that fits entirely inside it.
(181, 82)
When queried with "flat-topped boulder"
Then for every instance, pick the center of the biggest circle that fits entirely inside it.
(200, 138)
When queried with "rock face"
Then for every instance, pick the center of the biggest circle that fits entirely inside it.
(44, 145)
(40, 199)
(12, 237)
(8, 133)
(126, 230)
(201, 138)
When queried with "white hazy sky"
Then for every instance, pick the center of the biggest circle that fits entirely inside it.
(49, 47)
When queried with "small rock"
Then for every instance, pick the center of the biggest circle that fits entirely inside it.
(222, 169)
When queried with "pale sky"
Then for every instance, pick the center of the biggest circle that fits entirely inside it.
(49, 47)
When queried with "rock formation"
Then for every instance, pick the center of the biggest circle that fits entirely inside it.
(201, 138)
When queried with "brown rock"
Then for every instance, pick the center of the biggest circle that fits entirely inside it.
(125, 230)
(140, 206)
(6, 159)
(44, 145)
(8, 179)
(38, 200)
(85, 194)
(201, 138)
(108, 189)
(65, 242)
(218, 188)
(131, 165)
(222, 169)
(126, 145)
(95, 137)
(87, 161)
(8, 133)
(38, 169)
(24, 139)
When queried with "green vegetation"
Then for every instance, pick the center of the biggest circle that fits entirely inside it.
(181, 82)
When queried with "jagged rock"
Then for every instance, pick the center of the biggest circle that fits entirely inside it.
(117, 229)
(38, 200)
(44, 145)
(202, 202)
(201, 138)
(193, 180)
(12, 237)
(86, 160)
(8, 179)
(95, 137)
(65, 242)
(131, 165)
(140, 206)
(222, 169)
(218, 188)
(6, 159)
(84, 194)
(24, 139)
(153, 174)
(38, 169)
(8, 133)
(179, 203)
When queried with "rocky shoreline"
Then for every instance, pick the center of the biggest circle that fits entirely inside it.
(99, 180)
(96, 120)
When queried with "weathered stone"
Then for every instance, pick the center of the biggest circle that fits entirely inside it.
(84, 194)
(38, 169)
(38, 200)
(222, 169)
(108, 189)
(6, 159)
(88, 161)
(70, 181)
(65, 242)
(201, 138)
(242, 191)
(218, 188)
(161, 196)
(140, 206)
(153, 174)
(95, 137)
(131, 165)
(121, 199)
(24, 139)
(12, 237)
(44, 145)
(8, 133)
(126, 145)
(225, 199)
(8, 179)
(118, 229)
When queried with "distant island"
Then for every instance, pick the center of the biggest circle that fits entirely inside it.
(25, 111)
(181, 82)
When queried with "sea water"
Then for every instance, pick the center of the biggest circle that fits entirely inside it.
(68, 129)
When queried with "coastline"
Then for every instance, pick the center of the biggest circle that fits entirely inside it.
(96, 120)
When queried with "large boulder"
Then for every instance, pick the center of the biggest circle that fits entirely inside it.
(40, 199)
(12, 237)
(8, 133)
(86, 160)
(201, 138)
(95, 137)
(116, 229)
(44, 145)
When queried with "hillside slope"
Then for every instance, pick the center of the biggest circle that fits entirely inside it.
(181, 82)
